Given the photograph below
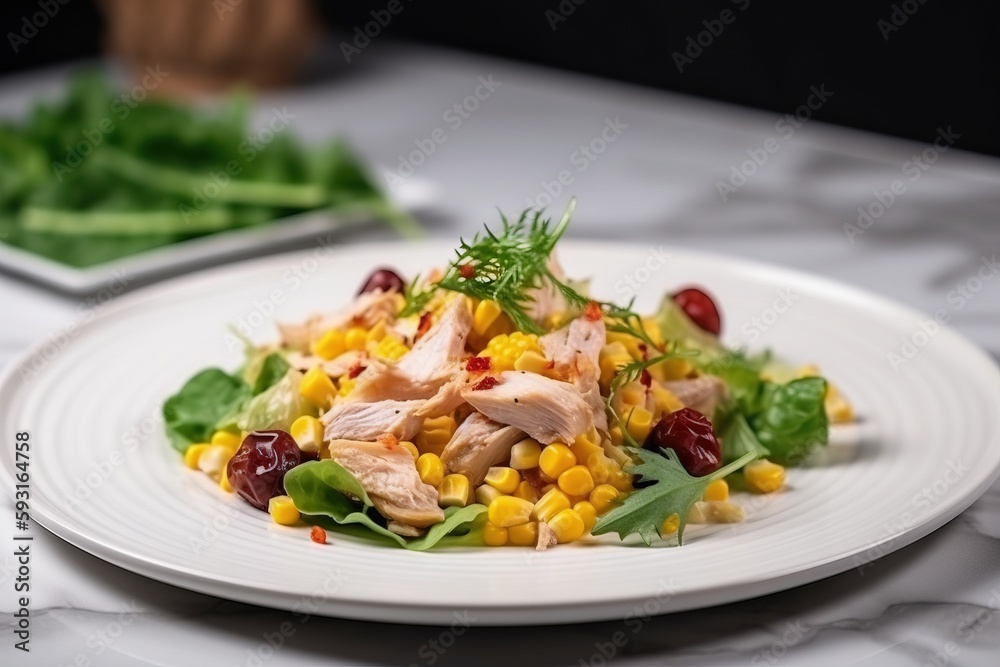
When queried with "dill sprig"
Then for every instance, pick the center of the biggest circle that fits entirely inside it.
(416, 297)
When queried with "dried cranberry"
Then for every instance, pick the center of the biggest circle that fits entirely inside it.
(384, 279)
(258, 468)
(486, 383)
(356, 370)
(689, 433)
(700, 308)
(477, 364)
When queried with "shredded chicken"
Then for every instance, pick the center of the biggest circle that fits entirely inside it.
(576, 350)
(477, 444)
(701, 393)
(449, 396)
(546, 538)
(547, 410)
(366, 310)
(366, 421)
(404, 529)
(334, 367)
(545, 301)
(387, 474)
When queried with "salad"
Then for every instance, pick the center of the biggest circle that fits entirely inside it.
(494, 402)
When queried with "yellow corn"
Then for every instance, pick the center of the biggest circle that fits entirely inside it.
(555, 459)
(224, 481)
(504, 480)
(282, 510)
(307, 431)
(485, 315)
(494, 536)
(411, 448)
(763, 476)
(346, 385)
(664, 400)
(430, 469)
(525, 535)
(612, 357)
(587, 512)
(214, 459)
(717, 490)
(615, 433)
(507, 511)
(330, 345)
(550, 504)
(576, 481)
(548, 487)
(527, 492)
(533, 362)
(604, 497)
(193, 454)
(633, 393)
(227, 439)
(391, 348)
(454, 491)
(355, 338)
(670, 525)
(584, 446)
(375, 334)
(619, 479)
(317, 387)
(639, 422)
(486, 494)
(677, 368)
(599, 465)
(567, 526)
(432, 441)
(524, 455)
(504, 350)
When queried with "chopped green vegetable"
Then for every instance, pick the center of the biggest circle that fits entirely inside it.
(269, 373)
(192, 413)
(276, 407)
(737, 438)
(791, 419)
(674, 492)
(321, 488)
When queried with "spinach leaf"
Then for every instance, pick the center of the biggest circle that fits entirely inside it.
(791, 418)
(192, 413)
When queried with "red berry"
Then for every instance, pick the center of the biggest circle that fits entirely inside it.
(700, 308)
(689, 433)
(384, 279)
(257, 470)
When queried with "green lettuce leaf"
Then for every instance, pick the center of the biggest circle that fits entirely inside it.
(270, 371)
(322, 489)
(276, 407)
(791, 418)
(192, 413)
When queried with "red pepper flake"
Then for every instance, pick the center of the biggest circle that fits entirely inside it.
(487, 382)
(593, 311)
(549, 366)
(645, 351)
(646, 379)
(317, 535)
(467, 271)
(478, 364)
(424, 325)
(356, 370)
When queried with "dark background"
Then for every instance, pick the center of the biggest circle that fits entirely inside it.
(940, 67)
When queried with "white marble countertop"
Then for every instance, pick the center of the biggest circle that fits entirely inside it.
(655, 181)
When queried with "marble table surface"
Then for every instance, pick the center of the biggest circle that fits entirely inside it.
(655, 179)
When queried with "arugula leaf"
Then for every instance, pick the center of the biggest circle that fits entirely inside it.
(192, 413)
(674, 492)
(791, 419)
(321, 489)
(276, 407)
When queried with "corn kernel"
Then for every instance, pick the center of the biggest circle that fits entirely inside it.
(390, 348)
(639, 422)
(346, 385)
(445, 422)
(619, 479)
(670, 525)
(430, 469)
(548, 487)
(282, 510)
(567, 526)
(584, 446)
(555, 459)
(224, 481)
(526, 491)
(525, 535)
(717, 490)
(507, 511)
(612, 356)
(533, 362)
(376, 333)
(494, 536)
(576, 481)
(454, 491)
(664, 400)
(838, 410)
(504, 480)
(486, 313)
(615, 433)
(226, 438)
(550, 504)
(604, 497)
(214, 460)
(486, 494)
(307, 431)
(524, 455)
(633, 393)
(504, 349)
(193, 454)
(599, 466)
(587, 512)
(355, 338)
(763, 476)
(330, 345)
(677, 368)
(411, 448)
(432, 441)
(317, 387)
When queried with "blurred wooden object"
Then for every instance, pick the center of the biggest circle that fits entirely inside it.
(208, 46)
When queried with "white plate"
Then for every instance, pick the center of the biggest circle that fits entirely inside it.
(105, 479)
